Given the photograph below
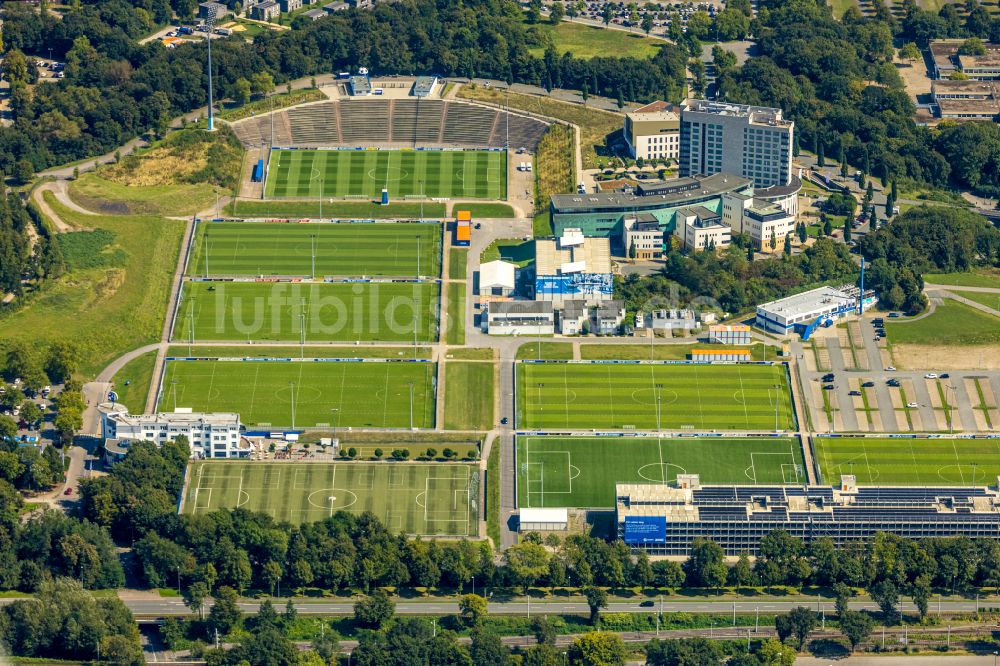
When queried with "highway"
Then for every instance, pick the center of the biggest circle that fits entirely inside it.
(164, 607)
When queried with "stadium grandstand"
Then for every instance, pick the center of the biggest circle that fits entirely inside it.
(391, 123)
(663, 520)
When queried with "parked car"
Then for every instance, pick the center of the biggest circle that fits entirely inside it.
(930, 375)
(867, 384)
(890, 368)
(829, 387)
(912, 405)
(854, 393)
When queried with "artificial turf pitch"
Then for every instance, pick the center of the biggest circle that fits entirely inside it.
(625, 396)
(582, 471)
(341, 394)
(340, 249)
(328, 311)
(414, 498)
(476, 174)
(891, 461)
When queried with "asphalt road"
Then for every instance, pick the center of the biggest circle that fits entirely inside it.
(173, 606)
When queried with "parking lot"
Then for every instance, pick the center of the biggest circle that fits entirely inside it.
(850, 385)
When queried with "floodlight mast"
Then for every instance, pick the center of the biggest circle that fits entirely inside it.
(209, 25)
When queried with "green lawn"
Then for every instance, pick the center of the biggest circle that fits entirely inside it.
(981, 297)
(493, 494)
(333, 311)
(980, 278)
(541, 225)
(468, 396)
(909, 461)
(423, 498)
(486, 209)
(699, 397)
(549, 351)
(109, 306)
(138, 373)
(841, 6)
(582, 471)
(514, 250)
(585, 41)
(456, 314)
(345, 210)
(659, 351)
(458, 261)
(380, 249)
(294, 351)
(346, 173)
(367, 394)
(951, 323)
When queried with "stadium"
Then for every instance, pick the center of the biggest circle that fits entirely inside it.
(370, 148)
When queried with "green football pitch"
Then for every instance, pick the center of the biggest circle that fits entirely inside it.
(638, 396)
(476, 174)
(341, 394)
(434, 499)
(890, 461)
(582, 471)
(333, 311)
(307, 250)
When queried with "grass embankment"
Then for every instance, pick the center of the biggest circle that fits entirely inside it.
(468, 396)
(493, 494)
(138, 373)
(265, 104)
(486, 209)
(113, 301)
(951, 323)
(362, 210)
(585, 41)
(455, 334)
(179, 175)
(981, 297)
(458, 262)
(514, 250)
(258, 350)
(555, 166)
(595, 126)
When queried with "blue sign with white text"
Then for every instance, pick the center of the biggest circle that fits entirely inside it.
(645, 529)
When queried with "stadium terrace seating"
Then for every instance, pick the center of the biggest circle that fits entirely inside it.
(400, 122)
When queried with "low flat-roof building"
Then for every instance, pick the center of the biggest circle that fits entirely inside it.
(210, 435)
(314, 14)
(334, 7)
(664, 520)
(801, 313)
(424, 86)
(673, 320)
(520, 318)
(717, 354)
(653, 132)
(358, 85)
(497, 278)
(574, 318)
(602, 214)
(573, 267)
(966, 100)
(729, 334)
(608, 317)
(699, 228)
(542, 520)
(947, 60)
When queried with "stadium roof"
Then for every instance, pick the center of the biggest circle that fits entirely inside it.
(807, 302)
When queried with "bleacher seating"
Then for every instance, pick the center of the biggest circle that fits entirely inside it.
(400, 122)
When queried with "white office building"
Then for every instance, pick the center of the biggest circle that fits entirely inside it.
(699, 228)
(520, 318)
(799, 312)
(751, 141)
(653, 132)
(215, 435)
(767, 224)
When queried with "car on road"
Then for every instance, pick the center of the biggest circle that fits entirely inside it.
(912, 405)
(504, 421)
(829, 377)
(894, 315)
(890, 368)
(648, 603)
(944, 375)
(930, 375)
(893, 382)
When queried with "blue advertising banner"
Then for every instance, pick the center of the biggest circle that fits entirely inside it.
(645, 529)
